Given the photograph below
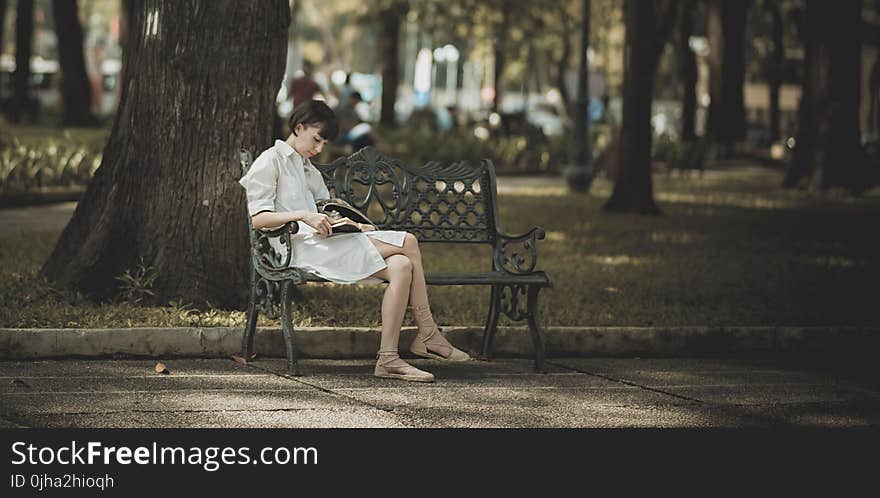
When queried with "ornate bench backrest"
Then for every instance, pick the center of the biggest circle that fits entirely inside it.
(435, 202)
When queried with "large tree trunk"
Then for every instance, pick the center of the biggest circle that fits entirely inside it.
(76, 93)
(775, 74)
(562, 63)
(500, 56)
(874, 99)
(633, 186)
(727, 117)
(24, 37)
(2, 21)
(688, 68)
(126, 8)
(579, 174)
(828, 151)
(198, 82)
(3, 6)
(389, 45)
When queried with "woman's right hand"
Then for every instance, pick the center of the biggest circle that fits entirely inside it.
(320, 222)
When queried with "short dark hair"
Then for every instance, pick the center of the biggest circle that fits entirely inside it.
(315, 113)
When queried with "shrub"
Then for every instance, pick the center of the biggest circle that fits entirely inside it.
(68, 160)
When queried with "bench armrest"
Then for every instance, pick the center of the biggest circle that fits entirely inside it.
(517, 254)
(266, 260)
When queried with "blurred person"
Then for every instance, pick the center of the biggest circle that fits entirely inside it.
(344, 91)
(282, 186)
(304, 88)
(353, 116)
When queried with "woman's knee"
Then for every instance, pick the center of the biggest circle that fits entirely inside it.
(411, 245)
(399, 267)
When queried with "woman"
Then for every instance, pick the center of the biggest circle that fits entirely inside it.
(282, 186)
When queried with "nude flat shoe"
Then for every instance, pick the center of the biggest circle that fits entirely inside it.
(419, 347)
(393, 367)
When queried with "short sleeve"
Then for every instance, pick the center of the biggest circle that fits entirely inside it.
(261, 182)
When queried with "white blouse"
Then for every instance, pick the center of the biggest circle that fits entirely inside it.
(279, 181)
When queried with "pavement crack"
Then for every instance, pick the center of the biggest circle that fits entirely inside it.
(321, 388)
(628, 383)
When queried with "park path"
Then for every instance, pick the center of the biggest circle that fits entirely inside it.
(577, 392)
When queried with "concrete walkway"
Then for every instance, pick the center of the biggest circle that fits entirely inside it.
(578, 392)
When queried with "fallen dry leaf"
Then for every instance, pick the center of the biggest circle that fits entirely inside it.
(161, 368)
(239, 359)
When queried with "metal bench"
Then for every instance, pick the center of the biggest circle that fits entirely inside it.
(448, 203)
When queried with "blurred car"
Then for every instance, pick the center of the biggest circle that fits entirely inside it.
(44, 92)
(540, 111)
(435, 118)
(552, 121)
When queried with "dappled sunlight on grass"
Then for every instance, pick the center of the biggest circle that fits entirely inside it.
(746, 201)
(676, 237)
(540, 191)
(834, 262)
(730, 249)
(619, 260)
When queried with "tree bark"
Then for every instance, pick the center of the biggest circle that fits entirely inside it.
(562, 63)
(2, 20)
(501, 33)
(389, 47)
(874, 99)
(727, 117)
(775, 74)
(828, 151)
(24, 37)
(579, 174)
(688, 72)
(126, 8)
(3, 5)
(76, 93)
(198, 82)
(633, 185)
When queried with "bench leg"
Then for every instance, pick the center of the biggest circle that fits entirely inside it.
(491, 323)
(535, 328)
(247, 341)
(287, 328)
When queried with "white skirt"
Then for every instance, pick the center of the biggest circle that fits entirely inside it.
(344, 259)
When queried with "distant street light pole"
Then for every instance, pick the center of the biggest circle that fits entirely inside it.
(579, 173)
(451, 74)
(448, 54)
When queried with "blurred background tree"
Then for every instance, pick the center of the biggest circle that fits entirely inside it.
(648, 26)
(726, 30)
(76, 91)
(498, 79)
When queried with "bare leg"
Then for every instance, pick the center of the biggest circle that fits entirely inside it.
(398, 273)
(418, 294)
(429, 342)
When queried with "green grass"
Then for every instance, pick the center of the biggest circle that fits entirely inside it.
(732, 249)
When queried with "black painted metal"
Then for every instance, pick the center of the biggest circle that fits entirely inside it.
(449, 203)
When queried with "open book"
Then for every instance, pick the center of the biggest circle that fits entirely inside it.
(344, 224)
(344, 218)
